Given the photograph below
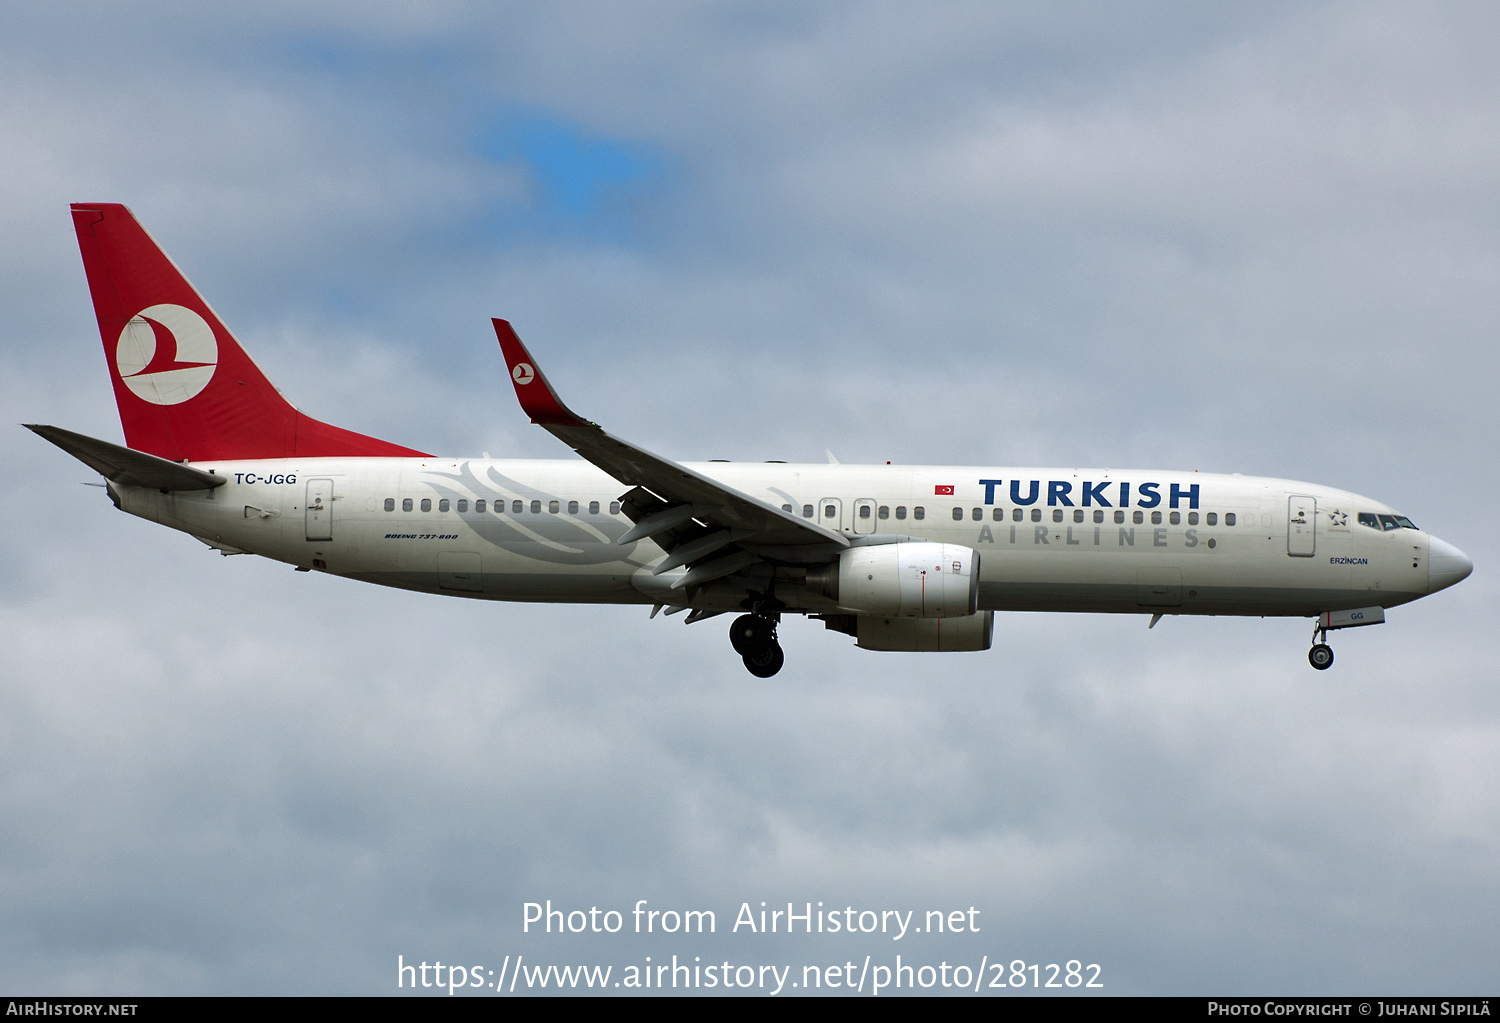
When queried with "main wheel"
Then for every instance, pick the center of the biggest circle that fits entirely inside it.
(767, 662)
(1320, 656)
(751, 634)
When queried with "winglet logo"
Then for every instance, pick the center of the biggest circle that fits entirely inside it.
(166, 354)
(523, 374)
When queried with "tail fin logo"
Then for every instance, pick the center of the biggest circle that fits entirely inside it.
(523, 373)
(166, 354)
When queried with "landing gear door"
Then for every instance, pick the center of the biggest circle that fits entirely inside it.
(320, 509)
(831, 513)
(864, 515)
(1301, 521)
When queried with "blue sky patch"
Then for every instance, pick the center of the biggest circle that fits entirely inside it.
(579, 176)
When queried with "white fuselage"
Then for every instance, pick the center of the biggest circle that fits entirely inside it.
(1048, 539)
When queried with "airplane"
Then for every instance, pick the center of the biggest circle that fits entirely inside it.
(901, 558)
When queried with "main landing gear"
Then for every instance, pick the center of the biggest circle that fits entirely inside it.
(1321, 654)
(753, 637)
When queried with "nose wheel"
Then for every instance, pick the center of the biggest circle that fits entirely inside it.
(1321, 654)
(753, 637)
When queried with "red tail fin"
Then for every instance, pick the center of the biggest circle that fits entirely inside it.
(184, 386)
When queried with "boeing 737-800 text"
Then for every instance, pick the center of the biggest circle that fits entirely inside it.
(914, 558)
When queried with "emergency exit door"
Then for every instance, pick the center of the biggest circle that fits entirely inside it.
(831, 513)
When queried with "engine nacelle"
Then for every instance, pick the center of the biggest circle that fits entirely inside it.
(926, 635)
(903, 580)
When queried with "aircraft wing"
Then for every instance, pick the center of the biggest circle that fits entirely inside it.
(728, 517)
(126, 465)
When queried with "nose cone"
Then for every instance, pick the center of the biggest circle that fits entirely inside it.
(1446, 565)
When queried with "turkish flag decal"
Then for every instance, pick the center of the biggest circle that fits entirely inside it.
(942, 491)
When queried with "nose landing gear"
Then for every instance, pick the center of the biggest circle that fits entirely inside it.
(1321, 654)
(753, 637)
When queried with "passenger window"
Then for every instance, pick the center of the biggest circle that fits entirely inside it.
(828, 511)
(1213, 519)
(900, 511)
(885, 512)
(1175, 518)
(1156, 518)
(515, 507)
(1018, 514)
(958, 514)
(864, 511)
(1036, 514)
(572, 507)
(553, 507)
(1098, 516)
(614, 507)
(919, 513)
(1193, 519)
(1228, 519)
(479, 505)
(1056, 514)
(1077, 514)
(1137, 517)
(406, 504)
(443, 505)
(463, 506)
(536, 507)
(998, 514)
(786, 507)
(426, 504)
(593, 507)
(1119, 518)
(390, 504)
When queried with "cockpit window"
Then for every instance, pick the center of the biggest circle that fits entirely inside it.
(1366, 519)
(1389, 522)
(1406, 523)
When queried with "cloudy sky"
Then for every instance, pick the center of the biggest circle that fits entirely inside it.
(1256, 238)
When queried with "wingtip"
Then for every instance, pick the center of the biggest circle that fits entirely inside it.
(536, 395)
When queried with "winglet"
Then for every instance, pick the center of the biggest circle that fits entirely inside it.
(538, 399)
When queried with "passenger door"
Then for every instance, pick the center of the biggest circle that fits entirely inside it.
(319, 509)
(1301, 523)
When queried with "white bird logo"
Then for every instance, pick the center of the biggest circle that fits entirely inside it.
(166, 354)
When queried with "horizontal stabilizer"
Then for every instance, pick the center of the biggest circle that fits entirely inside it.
(124, 465)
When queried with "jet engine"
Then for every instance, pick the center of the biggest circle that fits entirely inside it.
(902, 580)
